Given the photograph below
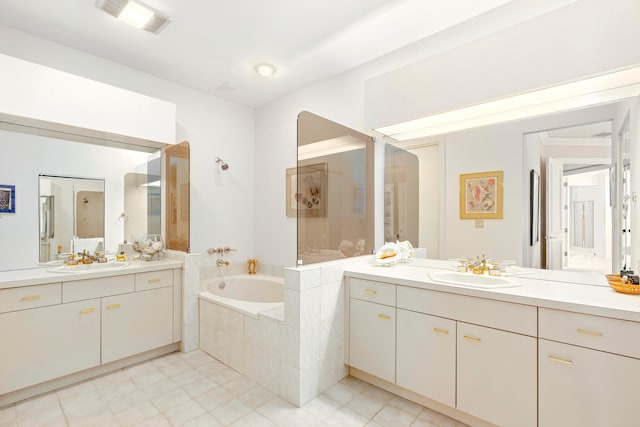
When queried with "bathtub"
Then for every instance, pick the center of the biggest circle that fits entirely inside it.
(249, 294)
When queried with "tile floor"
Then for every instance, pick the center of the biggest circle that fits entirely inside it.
(194, 389)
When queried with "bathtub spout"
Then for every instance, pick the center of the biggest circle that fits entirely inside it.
(220, 262)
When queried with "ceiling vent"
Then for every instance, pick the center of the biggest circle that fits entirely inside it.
(154, 23)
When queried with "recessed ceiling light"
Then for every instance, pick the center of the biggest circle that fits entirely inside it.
(135, 13)
(265, 70)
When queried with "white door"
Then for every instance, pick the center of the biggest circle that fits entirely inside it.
(554, 235)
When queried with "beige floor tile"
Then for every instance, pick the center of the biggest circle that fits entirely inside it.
(418, 422)
(231, 411)
(200, 387)
(406, 405)
(365, 405)
(184, 412)
(8, 417)
(224, 376)
(299, 417)
(127, 401)
(137, 414)
(116, 390)
(256, 397)
(139, 369)
(158, 389)
(322, 407)
(276, 409)
(175, 368)
(187, 377)
(170, 399)
(211, 367)
(152, 376)
(252, 419)
(214, 398)
(345, 417)
(204, 420)
(157, 421)
(239, 385)
(390, 416)
(341, 393)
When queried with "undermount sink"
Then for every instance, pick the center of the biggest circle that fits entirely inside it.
(473, 280)
(86, 268)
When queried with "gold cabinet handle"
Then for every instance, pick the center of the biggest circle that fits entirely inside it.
(370, 291)
(113, 306)
(560, 360)
(473, 339)
(384, 317)
(31, 297)
(87, 310)
(440, 331)
(156, 280)
(585, 332)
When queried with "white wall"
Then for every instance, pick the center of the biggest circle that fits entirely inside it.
(222, 204)
(584, 38)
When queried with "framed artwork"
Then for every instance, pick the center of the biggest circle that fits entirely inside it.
(7, 198)
(307, 190)
(481, 195)
(534, 207)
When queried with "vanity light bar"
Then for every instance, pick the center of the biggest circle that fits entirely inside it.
(583, 93)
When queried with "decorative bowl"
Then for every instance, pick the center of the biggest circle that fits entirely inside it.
(148, 246)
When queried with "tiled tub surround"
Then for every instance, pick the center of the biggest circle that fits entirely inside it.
(298, 355)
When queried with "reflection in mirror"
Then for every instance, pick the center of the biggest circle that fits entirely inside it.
(71, 216)
(142, 207)
(517, 147)
(177, 193)
(400, 195)
(331, 191)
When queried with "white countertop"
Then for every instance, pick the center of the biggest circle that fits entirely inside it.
(41, 274)
(587, 293)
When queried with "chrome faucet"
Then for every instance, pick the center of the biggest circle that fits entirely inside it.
(220, 262)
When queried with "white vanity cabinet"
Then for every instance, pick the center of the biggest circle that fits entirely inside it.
(426, 355)
(372, 328)
(496, 375)
(52, 330)
(473, 354)
(136, 322)
(40, 344)
(589, 370)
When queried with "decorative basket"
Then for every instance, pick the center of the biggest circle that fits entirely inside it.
(615, 281)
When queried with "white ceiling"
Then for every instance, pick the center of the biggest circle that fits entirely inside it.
(213, 45)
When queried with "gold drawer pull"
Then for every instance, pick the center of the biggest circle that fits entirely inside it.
(557, 359)
(31, 297)
(112, 306)
(473, 339)
(595, 334)
(156, 280)
(440, 331)
(384, 317)
(87, 310)
(370, 291)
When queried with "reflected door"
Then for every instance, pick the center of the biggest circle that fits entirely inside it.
(554, 235)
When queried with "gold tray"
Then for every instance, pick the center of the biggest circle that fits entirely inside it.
(615, 281)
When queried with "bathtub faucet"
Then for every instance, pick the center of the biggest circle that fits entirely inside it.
(220, 251)
(220, 262)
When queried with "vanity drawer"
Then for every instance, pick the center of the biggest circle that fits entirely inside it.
(599, 333)
(95, 288)
(25, 297)
(518, 318)
(368, 290)
(153, 280)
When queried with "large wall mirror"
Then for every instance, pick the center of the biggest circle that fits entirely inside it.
(584, 157)
(122, 197)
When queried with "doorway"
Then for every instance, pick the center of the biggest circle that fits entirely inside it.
(578, 215)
